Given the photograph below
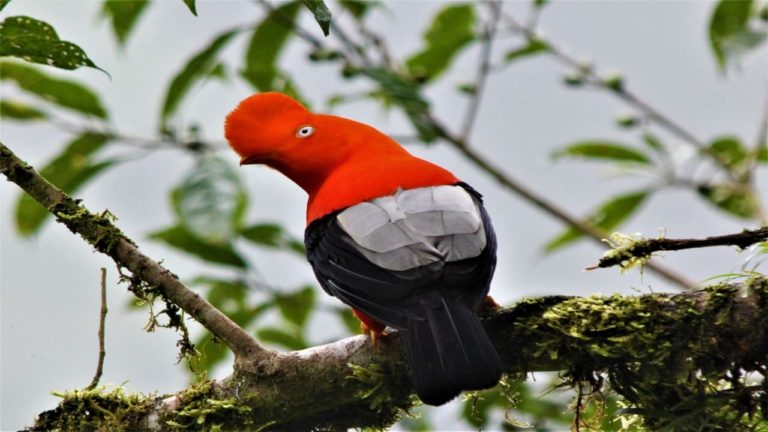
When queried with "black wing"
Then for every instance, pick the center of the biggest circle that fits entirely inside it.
(387, 295)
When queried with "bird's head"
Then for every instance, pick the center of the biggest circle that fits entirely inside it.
(266, 126)
(275, 130)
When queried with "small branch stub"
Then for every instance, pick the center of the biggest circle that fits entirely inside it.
(629, 251)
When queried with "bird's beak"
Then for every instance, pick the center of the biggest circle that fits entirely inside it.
(250, 160)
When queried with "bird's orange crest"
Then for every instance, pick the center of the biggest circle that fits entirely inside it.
(259, 123)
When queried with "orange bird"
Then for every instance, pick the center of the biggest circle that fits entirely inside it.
(401, 240)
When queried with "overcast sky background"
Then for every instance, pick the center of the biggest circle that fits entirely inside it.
(49, 284)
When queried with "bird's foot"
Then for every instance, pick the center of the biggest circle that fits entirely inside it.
(487, 305)
(375, 333)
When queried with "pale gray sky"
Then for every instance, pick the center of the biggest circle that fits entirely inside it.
(49, 284)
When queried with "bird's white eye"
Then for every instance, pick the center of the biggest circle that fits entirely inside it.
(305, 131)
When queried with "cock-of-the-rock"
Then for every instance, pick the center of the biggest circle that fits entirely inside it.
(401, 240)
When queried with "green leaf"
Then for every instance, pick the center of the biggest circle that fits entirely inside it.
(3, 4)
(627, 121)
(450, 31)
(231, 297)
(603, 150)
(266, 44)
(65, 93)
(265, 234)
(272, 235)
(182, 239)
(197, 68)
(321, 12)
(281, 337)
(219, 71)
(358, 8)
(191, 6)
(654, 143)
(223, 291)
(732, 199)
(534, 46)
(211, 200)
(296, 307)
(729, 32)
(212, 352)
(123, 14)
(69, 171)
(762, 153)
(607, 217)
(20, 111)
(730, 150)
(36, 41)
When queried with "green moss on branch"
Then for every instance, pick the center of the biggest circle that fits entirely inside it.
(668, 356)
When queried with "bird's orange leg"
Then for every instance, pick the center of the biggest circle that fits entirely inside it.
(370, 326)
(487, 305)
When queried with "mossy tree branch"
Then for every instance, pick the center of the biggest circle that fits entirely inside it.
(651, 347)
(661, 352)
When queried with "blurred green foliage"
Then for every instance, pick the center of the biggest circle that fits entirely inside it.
(64, 93)
(123, 15)
(734, 30)
(450, 31)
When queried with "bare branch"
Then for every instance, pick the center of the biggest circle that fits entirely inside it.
(483, 69)
(106, 238)
(644, 248)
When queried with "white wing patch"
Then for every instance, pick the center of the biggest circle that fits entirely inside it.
(416, 227)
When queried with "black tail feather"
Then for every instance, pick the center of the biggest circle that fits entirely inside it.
(448, 351)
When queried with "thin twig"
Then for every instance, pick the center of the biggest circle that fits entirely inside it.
(623, 93)
(102, 321)
(641, 249)
(350, 45)
(483, 70)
